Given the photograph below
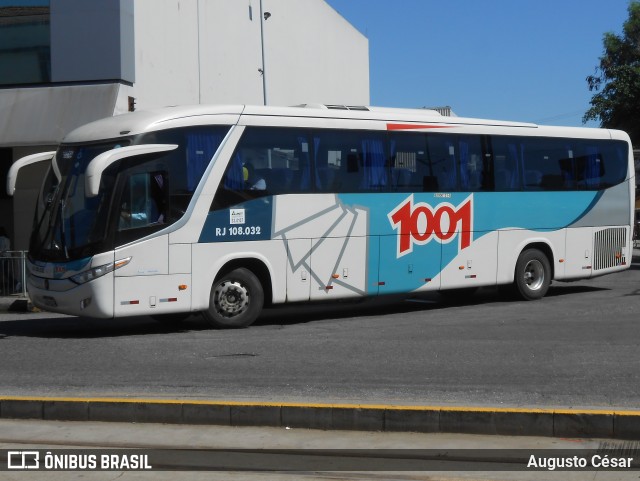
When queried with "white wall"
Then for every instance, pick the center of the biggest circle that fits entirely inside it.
(166, 43)
(230, 52)
(312, 53)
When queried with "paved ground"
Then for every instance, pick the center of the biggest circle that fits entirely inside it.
(25, 434)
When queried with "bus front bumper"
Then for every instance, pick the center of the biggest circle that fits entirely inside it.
(91, 299)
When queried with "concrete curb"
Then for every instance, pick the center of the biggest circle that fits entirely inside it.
(16, 304)
(617, 424)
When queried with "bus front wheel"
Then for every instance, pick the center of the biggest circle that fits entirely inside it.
(533, 275)
(236, 299)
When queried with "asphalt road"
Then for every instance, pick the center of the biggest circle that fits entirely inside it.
(578, 347)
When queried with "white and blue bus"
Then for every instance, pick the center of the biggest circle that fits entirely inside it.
(223, 210)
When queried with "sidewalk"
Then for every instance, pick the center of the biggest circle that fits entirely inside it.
(199, 453)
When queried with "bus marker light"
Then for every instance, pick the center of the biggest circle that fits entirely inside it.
(381, 283)
(560, 261)
(329, 288)
(127, 303)
(336, 276)
(427, 279)
(122, 263)
(472, 276)
(461, 268)
(182, 287)
(169, 299)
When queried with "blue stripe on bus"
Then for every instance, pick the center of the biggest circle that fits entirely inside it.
(541, 211)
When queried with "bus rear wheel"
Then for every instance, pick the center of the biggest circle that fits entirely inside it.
(236, 300)
(533, 275)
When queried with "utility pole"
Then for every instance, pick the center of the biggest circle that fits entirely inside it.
(263, 18)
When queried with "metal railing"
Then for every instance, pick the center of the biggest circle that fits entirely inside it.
(13, 270)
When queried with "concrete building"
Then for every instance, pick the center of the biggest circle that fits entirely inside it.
(64, 63)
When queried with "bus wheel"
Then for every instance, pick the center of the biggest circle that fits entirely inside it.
(236, 299)
(533, 275)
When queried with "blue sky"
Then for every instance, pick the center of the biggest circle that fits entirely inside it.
(520, 60)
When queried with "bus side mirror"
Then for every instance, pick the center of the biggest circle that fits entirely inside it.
(99, 164)
(12, 176)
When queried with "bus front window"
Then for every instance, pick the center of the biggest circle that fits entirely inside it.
(72, 225)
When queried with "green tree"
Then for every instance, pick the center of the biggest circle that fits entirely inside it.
(616, 81)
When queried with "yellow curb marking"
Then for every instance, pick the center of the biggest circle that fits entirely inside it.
(605, 412)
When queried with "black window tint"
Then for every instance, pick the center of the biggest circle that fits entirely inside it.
(410, 169)
(351, 161)
(599, 164)
(540, 163)
(508, 154)
(442, 152)
(267, 161)
(473, 164)
(185, 166)
(459, 162)
(548, 164)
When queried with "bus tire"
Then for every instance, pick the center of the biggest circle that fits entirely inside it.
(533, 275)
(236, 300)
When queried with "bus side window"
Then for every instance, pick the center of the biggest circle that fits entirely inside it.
(338, 161)
(507, 155)
(410, 168)
(472, 163)
(600, 165)
(442, 152)
(144, 200)
(267, 161)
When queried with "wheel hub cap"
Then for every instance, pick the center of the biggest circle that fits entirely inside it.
(231, 299)
(534, 275)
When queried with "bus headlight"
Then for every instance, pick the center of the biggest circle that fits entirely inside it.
(99, 271)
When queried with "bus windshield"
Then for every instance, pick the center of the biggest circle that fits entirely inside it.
(136, 198)
(72, 225)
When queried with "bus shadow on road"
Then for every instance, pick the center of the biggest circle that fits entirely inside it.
(288, 315)
(82, 328)
(569, 289)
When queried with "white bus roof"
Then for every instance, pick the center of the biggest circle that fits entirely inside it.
(159, 119)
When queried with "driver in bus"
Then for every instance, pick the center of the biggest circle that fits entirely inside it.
(143, 211)
(251, 180)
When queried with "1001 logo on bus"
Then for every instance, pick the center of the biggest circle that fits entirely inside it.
(420, 223)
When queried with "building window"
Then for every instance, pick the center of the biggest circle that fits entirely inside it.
(25, 45)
